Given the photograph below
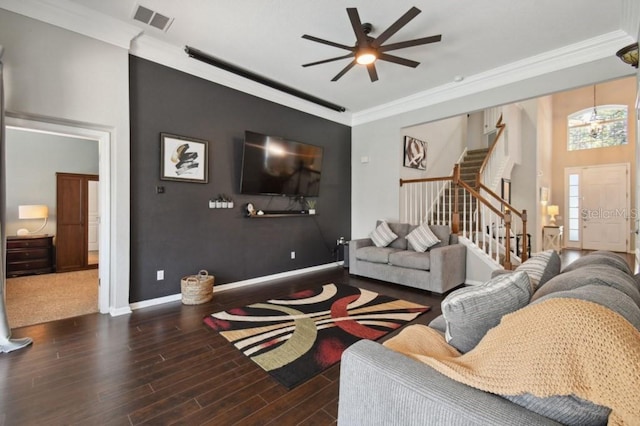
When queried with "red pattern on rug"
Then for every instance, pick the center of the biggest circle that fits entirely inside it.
(296, 337)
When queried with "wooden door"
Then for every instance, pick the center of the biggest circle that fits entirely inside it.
(72, 224)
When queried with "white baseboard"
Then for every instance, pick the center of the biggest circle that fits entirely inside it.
(231, 286)
(120, 311)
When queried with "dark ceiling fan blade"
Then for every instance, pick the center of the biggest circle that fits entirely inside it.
(330, 43)
(373, 74)
(324, 61)
(410, 43)
(344, 70)
(395, 27)
(354, 17)
(398, 60)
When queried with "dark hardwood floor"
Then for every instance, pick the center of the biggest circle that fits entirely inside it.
(161, 365)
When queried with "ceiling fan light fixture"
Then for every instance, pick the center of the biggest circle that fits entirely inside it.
(366, 56)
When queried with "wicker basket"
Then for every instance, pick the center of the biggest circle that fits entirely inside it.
(197, 289)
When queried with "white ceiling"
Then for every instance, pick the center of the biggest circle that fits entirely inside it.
(480, 38)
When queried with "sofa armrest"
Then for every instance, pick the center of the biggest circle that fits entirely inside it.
(354, 263)
(448, 267)
(362, 242)
(379, 386)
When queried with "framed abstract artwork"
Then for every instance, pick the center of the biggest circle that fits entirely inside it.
(415, 153)
(183, 159)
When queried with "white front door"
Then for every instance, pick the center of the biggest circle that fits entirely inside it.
(605, 211)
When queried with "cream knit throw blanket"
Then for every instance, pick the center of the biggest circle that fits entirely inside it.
(556, 347)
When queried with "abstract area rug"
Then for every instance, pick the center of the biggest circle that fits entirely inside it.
(296, 337)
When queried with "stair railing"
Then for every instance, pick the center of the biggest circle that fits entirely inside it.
(494, 162)
(424, 198)
(487, 221)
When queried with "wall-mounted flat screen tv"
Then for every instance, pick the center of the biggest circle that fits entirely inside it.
(273, 165)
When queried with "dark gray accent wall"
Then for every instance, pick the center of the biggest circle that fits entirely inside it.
(175, 231)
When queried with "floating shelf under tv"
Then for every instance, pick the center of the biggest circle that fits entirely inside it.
(281, 213)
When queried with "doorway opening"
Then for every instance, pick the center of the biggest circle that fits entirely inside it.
(103, 139)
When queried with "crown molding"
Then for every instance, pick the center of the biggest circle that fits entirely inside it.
(172, 56)
(554, 60)
(77, 18)
(80, 19)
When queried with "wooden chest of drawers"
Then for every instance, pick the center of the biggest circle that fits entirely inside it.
(29, 255)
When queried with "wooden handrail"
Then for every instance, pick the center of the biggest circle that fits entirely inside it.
(502, 202)
(500, 126)
(503, 213)
(480, 198)
(434, 179)
(522, 215)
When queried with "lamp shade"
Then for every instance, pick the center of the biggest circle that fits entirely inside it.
(33, 211)
(553, 210)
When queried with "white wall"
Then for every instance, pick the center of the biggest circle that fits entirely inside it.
(446, 139)
(375, 188)
(32, 161)
(61, 76)
(524, 183)
(545, 166)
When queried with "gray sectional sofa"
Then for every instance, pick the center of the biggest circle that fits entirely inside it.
(439, 269)
(379, 386)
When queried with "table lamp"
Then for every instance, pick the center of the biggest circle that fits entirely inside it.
(553, 211)
(34, 211)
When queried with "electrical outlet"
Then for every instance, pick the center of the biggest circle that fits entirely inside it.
(293, 255)
(160, 275)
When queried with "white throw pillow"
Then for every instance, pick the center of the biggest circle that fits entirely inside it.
(382, 236)
(422, 238)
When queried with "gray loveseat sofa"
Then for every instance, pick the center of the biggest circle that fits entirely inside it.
(439, 269)
(379, 386)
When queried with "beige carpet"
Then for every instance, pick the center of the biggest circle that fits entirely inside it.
(41, 298)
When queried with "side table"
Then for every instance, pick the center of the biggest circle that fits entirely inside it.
(552, 238)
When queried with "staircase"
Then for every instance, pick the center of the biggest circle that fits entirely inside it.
(468, 203)
(470, 166)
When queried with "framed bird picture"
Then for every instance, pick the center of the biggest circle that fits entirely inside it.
(415, 153)
(183, 159)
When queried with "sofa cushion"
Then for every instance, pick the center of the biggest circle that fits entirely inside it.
(599, 258)
(375, 254)
(442, 232)
(593, 274)
(567, 409)
(382, 236)
(422, 237)
(411, 259)
(438, 323)
(608, 297)
(472, 311)
(401, 230)
(541, 267)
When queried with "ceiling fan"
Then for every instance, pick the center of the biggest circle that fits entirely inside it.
(367, 49)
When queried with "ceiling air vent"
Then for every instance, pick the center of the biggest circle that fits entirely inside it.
(151, 18)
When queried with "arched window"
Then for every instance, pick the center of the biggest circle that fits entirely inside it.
(598, 127)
